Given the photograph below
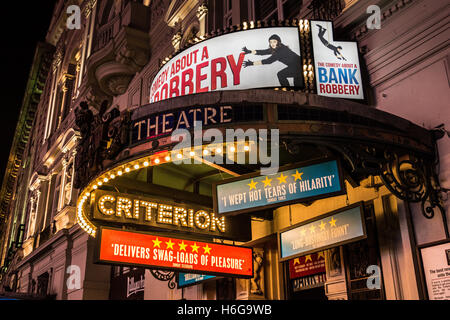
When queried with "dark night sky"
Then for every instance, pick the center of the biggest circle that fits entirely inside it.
(23, 24)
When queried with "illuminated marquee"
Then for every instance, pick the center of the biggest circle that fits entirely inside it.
(159, 214)
(162, 252)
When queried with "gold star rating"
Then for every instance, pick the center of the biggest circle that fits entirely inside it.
(297, 175)
(195, 247)
(321, 254)
(170, 244)
(303, 231)
(333, 222)
(308, 258)
(267, 182)
(156, 243)
(296, 261)
(182, 246)
(322, 226)
(312, 229)
(282, 178)
(252, 185)
(207, 249)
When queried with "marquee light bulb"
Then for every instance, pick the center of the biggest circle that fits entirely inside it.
(105, 180)
(146, 164)
(246, 148)
(120, 173)
(179, 156)
(232, 149)
(157, 161)
(127, 170)
(192, 153)
(205, 152)
(112, 176)
(218, 150)
(136, 166)
(167, 158)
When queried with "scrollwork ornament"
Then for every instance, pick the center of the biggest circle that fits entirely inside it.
(165, 276)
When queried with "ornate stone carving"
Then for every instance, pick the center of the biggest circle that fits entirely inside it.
(258, 264)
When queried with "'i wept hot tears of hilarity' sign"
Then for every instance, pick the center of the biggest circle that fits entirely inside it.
(300, 183)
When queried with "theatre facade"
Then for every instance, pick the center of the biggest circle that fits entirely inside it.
(216, 150)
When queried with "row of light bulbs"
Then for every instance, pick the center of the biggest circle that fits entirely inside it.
(160, 158)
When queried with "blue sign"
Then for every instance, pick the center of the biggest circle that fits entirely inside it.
(300, 184)
(332, 230)
(189, 279)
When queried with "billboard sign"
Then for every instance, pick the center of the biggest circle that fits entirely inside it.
(118, 247)
(330, 230)
(296, 184)
(338, 71)
(256, 58)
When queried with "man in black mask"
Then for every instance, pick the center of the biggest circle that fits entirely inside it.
(282, 53)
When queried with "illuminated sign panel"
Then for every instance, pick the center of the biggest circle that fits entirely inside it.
(161, 252)
(300, 183)
(256, 58)
(330, 230)
(164, 214)
(191, 279)
(338, 71)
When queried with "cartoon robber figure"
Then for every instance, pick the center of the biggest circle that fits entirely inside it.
(336, 50)
(282, 53)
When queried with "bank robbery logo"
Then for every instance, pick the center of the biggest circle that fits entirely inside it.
(337, 65)
(226, 63)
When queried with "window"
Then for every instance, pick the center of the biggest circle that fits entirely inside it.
(56, 194)
(228, 13)
(267, 10)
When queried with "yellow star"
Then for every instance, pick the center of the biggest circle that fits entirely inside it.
(252, 185)
(297, 175)
(333, 222)
(195, 247)
(322, 226)
(207, 249)
(303, 231)
(156, 243)
(282, 178)
(267, 182)
(182, 246)
(170, 244)
(321, 254)
(308, 257)
(296, 261)
(312, 229)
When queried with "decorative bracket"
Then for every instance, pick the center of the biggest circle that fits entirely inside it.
(165, 276)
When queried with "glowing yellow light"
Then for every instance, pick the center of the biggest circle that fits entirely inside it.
(120, 173)
(136, 166)
(232, 149)
(179, 156)
(127, 170)
(112, 176)
(157, 161)
(192, 153)
(105, 180)
(205, 152)
(246, 148)
(146, 164)
(95, 187)
(218, 150)
(100, 183)
(167, 158)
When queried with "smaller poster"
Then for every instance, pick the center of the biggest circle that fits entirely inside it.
(436, 267)
(307, 265)
(338, 71)
(191, 279)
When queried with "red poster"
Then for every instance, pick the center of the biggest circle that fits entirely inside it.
(307, 265)
(143, 249)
